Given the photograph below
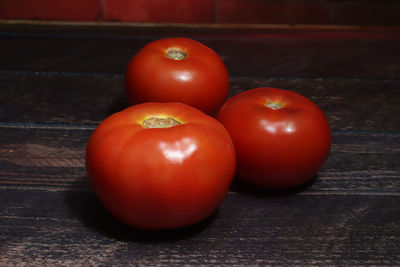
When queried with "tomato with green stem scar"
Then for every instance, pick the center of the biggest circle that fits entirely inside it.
(281, 138)
(160, 165)
(177, 70)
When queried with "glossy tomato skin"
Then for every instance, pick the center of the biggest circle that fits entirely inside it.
(276, 148)
(160, 178)
(200, 80)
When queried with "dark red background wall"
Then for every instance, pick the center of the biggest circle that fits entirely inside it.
(323, 12)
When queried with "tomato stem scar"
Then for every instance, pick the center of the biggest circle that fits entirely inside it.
(176, 53)
(156, 122)
(274, 105)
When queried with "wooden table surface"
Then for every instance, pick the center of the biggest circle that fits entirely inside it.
(57, 83)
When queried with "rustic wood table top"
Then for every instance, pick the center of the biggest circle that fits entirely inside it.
(57, 83)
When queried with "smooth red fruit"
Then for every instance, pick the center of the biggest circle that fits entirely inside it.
(177, 70)
(281, 138)
(160, 165)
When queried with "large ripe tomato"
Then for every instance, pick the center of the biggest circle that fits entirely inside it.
(177, 70)
(281, 138)
(160, 165)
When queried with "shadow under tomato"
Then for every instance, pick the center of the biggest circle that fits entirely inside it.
(85, 206)
(241, 186)
(119, 103)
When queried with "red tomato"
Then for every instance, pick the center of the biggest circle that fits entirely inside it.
(281, 138)
(160, 165)
(177, 70)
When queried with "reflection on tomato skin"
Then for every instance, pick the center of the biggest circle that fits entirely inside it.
(160, 165)
(278, 147)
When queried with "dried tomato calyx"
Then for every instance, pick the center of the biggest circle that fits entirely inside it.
(274, 105)
(157, 122)
(176, 53)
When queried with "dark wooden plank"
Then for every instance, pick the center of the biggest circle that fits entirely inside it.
(124, 28)
(260, 55)
(310, 58)
(86, 99)
(348, 216)
(71, 228)
(59, 98)
(52, 158)
(47, 158)
(56, 86)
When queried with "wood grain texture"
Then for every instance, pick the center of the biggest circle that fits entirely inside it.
(269, 55)
(71, 228)
(57, 84)
(348, 215)
(361, 163)
(88, 99)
